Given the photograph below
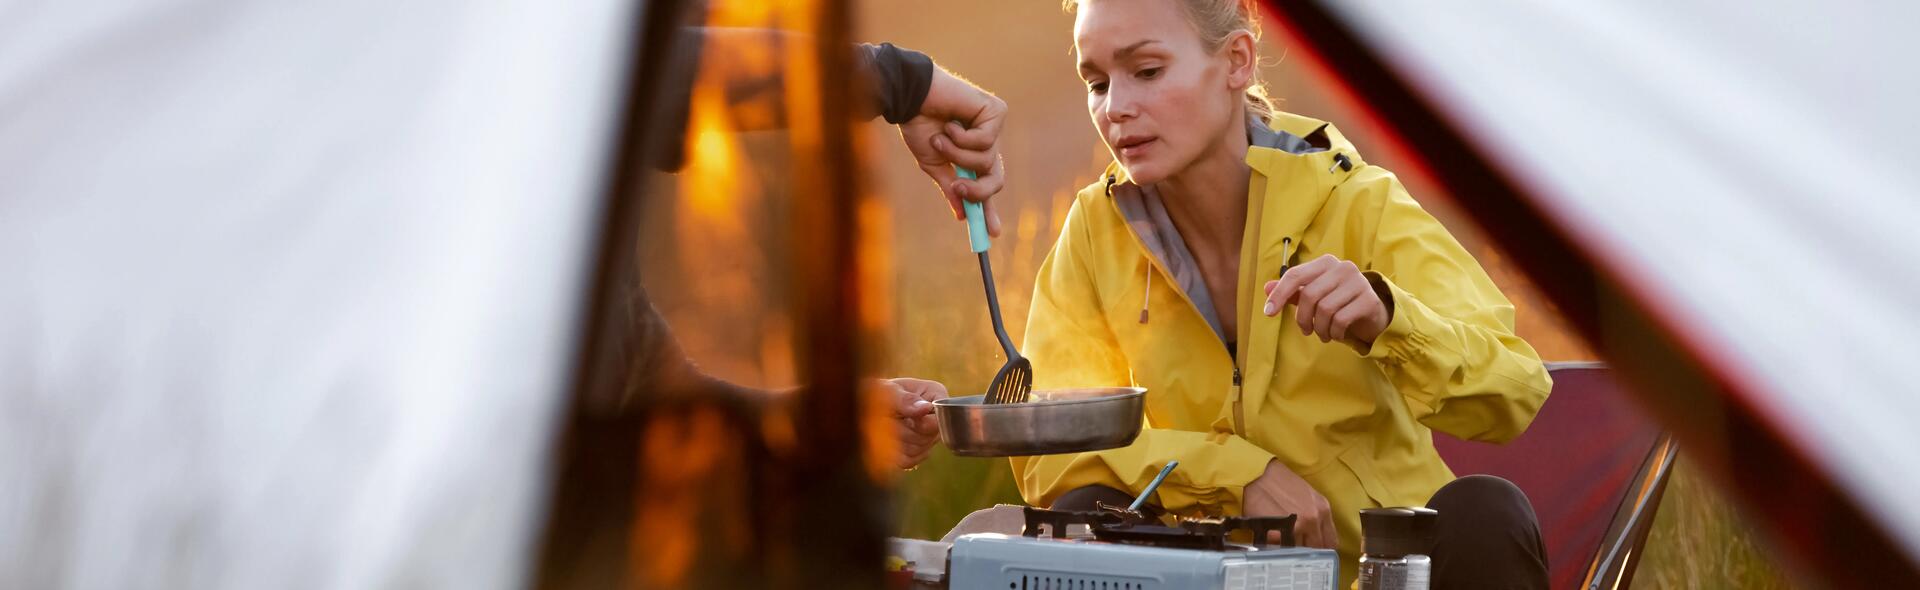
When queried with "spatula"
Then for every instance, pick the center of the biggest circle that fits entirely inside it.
(1014, 382)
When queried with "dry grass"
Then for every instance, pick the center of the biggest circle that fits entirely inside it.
(1700, 541)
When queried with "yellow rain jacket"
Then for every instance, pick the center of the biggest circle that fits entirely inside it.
(1355, 424)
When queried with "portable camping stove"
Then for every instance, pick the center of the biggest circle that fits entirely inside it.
(1125, 553)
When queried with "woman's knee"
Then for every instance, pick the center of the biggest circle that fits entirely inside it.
(1478, 489)
(1487, 537)
(1482, 498)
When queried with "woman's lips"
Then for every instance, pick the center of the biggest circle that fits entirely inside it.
(1131, 147)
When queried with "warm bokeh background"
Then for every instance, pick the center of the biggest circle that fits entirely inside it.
(714, 253)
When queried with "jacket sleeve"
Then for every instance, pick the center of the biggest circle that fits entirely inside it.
(1450, 347)
(1071, 345)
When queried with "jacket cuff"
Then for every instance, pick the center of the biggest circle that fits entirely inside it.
(1392, 346)
(1219, 485)
(1408, 339)
(1402, 339)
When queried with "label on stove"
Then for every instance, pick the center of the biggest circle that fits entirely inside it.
(1313, 574)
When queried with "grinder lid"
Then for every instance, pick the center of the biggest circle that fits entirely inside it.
(1393, 532)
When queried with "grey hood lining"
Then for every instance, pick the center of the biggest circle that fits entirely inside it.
(1146, 214)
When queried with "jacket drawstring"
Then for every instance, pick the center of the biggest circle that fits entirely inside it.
(1146, 296)
(1286, 259)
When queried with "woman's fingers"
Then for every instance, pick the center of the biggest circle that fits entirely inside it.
(1303, 532)
(1324, 290)
(1317, 298)
(1326, 316)
(976, 160)
(1308, 303)
(1347, 322)
(1279, 294)
(1313, 525)
(1329, 534)
(1308, 530)
(1289, 285)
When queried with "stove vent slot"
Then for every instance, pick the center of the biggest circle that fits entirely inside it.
(1058, 581)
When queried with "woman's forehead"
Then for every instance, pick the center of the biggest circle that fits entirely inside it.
(1103, 27)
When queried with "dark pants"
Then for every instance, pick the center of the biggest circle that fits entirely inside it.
(1488, 538)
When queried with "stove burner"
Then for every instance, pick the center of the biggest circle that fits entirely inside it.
(1120, 525)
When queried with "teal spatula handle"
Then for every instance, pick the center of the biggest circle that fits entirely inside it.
(976, 217)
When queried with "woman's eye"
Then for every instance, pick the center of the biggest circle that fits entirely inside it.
(1097, 87)
(1149, 73)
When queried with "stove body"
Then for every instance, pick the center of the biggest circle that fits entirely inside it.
(1125, 553)
(989, 561)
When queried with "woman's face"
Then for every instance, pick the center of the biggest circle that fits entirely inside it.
(1158, 97)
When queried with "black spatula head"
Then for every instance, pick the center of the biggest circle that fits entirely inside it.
(1013, 384)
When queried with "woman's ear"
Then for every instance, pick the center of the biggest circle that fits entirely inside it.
(1242, 60)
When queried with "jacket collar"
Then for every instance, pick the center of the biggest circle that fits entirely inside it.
(1298, 162)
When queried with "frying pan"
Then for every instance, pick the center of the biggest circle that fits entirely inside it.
(1056, 421)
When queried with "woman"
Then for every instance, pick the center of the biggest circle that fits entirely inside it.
(1299, 321)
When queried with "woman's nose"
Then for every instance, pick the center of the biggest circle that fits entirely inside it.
(1120, 106)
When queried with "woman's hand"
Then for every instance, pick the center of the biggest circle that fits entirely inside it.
(1278, 492)
(913, 411)
(959, 125)
(1335, 301)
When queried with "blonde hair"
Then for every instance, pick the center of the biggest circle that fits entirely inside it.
(1216, 21)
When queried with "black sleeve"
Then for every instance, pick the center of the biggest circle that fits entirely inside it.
(897, 83)
(676, 78)
(899, 77)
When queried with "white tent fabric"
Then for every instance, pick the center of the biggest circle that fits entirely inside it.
(1751, 165)
(289, 290)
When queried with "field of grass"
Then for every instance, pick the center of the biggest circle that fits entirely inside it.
(1700, 541)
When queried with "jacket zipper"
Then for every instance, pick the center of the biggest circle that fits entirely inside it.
(1233, 392)
(1239, 416)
